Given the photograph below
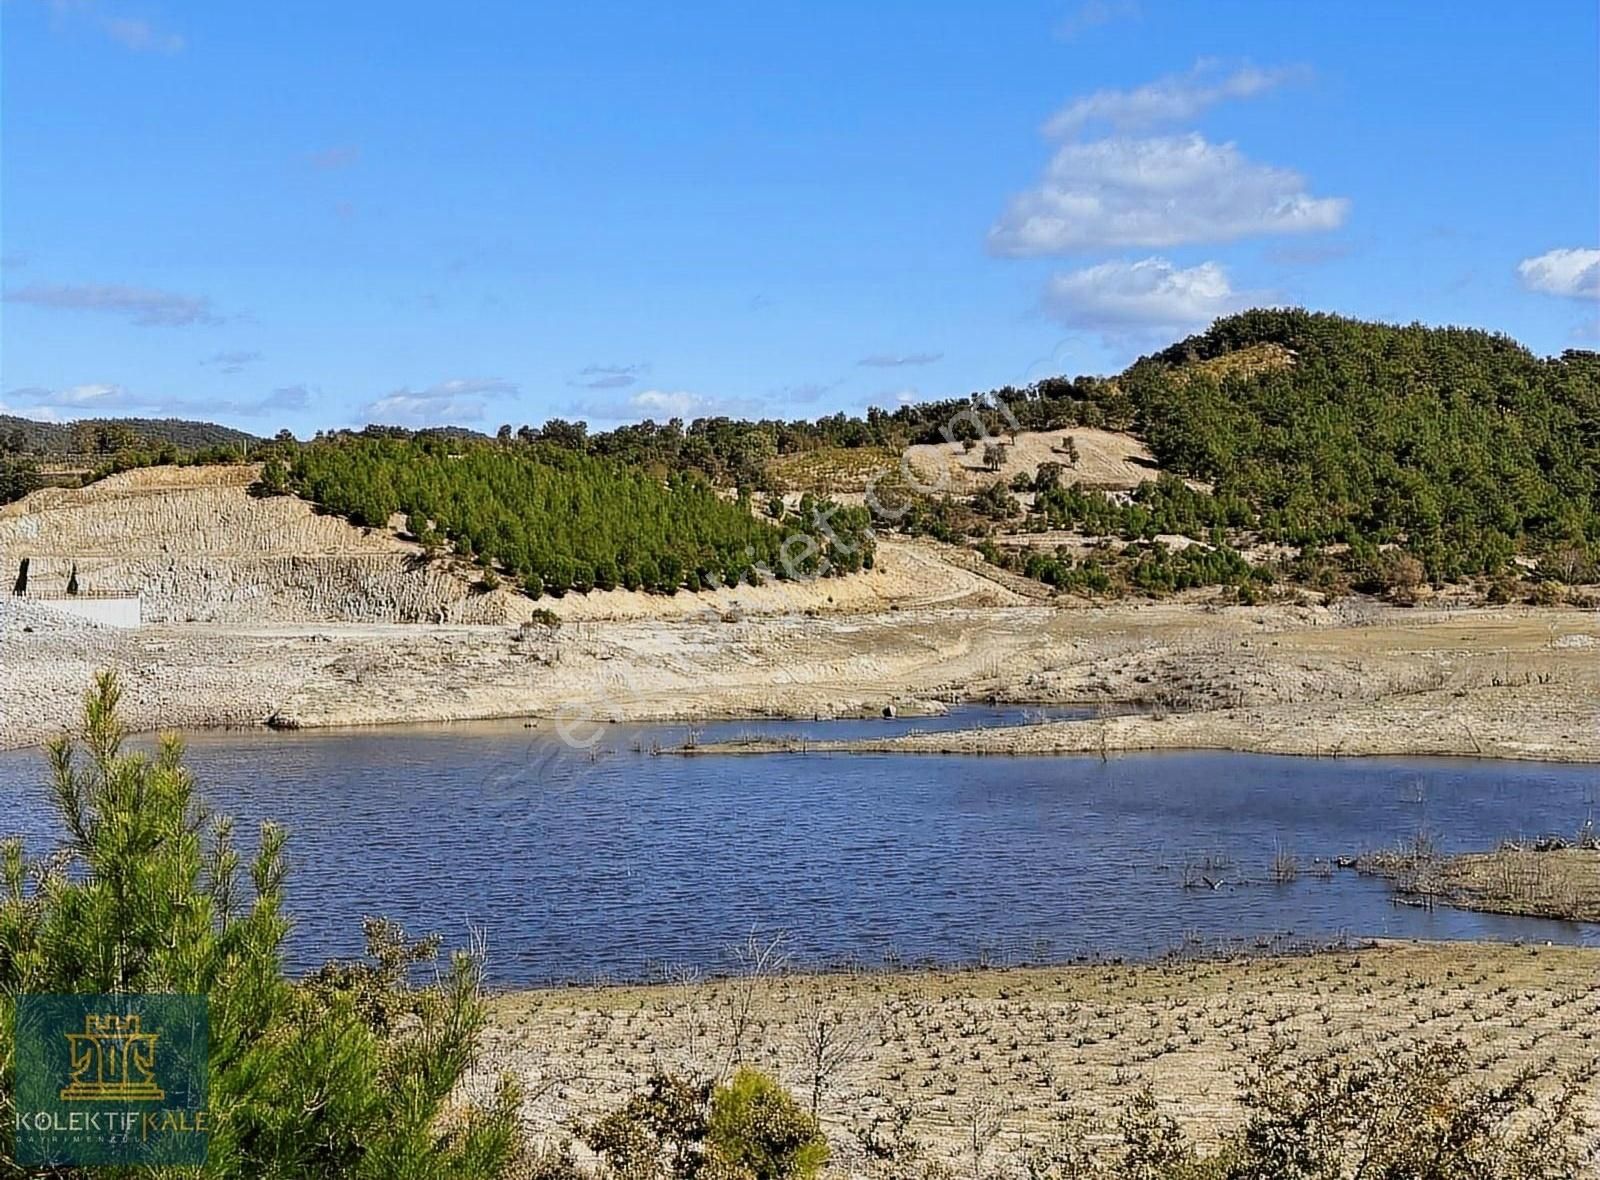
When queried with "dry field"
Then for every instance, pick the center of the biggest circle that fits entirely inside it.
(1026, 1047)
(1106, 460)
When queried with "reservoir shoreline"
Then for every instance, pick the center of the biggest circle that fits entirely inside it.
(1356, 679)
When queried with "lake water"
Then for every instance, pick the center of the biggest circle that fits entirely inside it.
(616, 865)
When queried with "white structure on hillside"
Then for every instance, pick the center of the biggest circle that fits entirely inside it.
(109, 610)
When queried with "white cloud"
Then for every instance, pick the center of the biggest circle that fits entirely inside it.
(674, 404)
(140, 36)
(1573, 272)
(1171, 99)
(404, 409)
(1120, 298)
(608, 376)
(334, 158)
(143, 306)
(461, 399)
(1161, 191)
(106, 399)
(95, 394)
(1091, 14)
(899, 360)
(468, 387)
(661, 405)
(1149, 190)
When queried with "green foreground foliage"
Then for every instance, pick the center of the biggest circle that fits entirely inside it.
(350, 1073)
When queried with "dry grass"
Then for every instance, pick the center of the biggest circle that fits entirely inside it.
(1035, 1044)
(833, 470)
(1243, 362)
(1562, 883)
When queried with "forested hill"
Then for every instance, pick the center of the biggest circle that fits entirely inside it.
(1460, 445)
(108, 435)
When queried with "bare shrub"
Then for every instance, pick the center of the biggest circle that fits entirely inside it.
(1406, 1112)
(892, 1152)
(1401, 576)
(981, 1124)
(1285, 865)
(831, 1043)
(756, 961)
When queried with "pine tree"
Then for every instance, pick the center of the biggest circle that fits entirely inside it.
(348, 1074)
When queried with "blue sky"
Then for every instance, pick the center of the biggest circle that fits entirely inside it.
(316, 215)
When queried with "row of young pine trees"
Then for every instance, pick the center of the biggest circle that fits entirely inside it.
(356, 1070)
(555, 520)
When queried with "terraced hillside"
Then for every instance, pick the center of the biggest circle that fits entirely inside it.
(198, 547)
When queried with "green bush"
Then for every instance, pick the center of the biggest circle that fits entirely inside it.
(678, 1128)
(759, 1129)
(274, 479)
(659, 1134)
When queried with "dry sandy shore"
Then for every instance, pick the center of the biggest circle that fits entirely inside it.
(1032, 1045)
(1514, 683)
